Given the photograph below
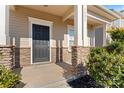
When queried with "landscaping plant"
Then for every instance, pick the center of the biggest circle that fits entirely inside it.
(117, 34)
(116, 47)
(106, 64)
(8, 79)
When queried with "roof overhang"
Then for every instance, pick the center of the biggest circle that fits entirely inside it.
(103, 12)
(119, 13)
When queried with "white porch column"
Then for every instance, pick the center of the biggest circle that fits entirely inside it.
(85, 37)
(4, 25)
(78, 25)
(80, 17)
(79, 51)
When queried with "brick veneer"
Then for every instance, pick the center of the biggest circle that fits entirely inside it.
(79, 58)
(7, 56)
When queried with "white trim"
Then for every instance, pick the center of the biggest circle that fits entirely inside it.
(84, 31)
(67, 17)
(4, 25)
(68, 28)
(108, 11)
(40, 22)
(78, 17)
(68, 14)
(104, 34)
(7, 25)
(89, 15)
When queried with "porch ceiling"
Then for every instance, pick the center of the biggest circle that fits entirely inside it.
(58, 10)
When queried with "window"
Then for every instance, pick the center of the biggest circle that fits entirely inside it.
(71, 33)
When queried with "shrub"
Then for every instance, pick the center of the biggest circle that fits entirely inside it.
(7, 78)
(117, 34)
(116, 47)
(106, 65)
(107, 69)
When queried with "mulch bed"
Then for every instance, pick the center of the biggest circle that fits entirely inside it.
(84, 82)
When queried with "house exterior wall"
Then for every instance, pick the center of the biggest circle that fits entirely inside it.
(19, 26)
(19, 34)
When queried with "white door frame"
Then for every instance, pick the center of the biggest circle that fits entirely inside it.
(39, 22)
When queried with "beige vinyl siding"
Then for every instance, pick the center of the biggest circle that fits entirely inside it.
(19, 27)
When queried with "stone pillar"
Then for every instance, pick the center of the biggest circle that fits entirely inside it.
(79, 58)
(80, 49)
(7, 56)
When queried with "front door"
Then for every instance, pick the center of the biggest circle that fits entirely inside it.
(41, 43)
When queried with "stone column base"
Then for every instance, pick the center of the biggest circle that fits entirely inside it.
(79, 58)
(7, 56)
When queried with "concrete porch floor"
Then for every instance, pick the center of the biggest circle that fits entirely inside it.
(45, 75)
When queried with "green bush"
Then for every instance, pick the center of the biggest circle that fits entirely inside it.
(116, 47)
(8, 79)
(107, 69)
(106, 65)
(117, 34)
